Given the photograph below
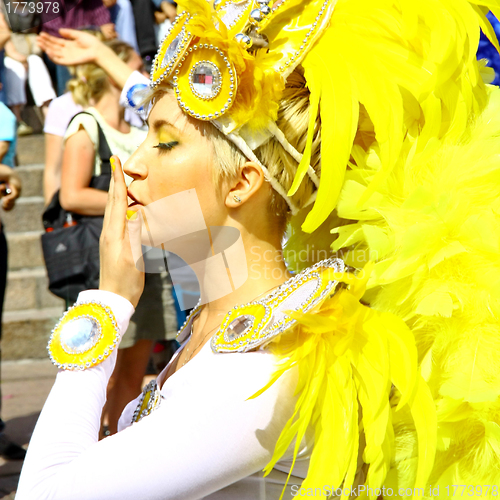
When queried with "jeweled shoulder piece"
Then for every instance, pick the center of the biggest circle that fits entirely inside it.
(148, 402)
(255, 324)
(84, 337)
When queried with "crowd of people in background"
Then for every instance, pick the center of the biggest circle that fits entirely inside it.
(80, 107)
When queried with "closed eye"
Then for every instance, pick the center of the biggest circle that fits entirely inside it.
(166, 145)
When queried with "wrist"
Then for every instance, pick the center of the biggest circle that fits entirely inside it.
(102, 55)
(122, 308)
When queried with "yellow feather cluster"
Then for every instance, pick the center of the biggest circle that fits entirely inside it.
(349, 356)
(411, 164)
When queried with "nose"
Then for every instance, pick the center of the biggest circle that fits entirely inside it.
(136, 165)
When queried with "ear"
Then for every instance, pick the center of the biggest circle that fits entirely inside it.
(246, 184)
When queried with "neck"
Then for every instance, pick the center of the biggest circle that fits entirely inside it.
(266, 270)
(249, 275)
(109, 108)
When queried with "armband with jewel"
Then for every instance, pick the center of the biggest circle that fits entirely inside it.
(84, 337)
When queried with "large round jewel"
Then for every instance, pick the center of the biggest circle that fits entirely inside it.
(205, 80)
(80, 334)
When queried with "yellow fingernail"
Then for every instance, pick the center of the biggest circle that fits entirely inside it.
(131, 215)
(112, 161)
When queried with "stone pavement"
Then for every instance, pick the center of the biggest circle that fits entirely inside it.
(25, 387)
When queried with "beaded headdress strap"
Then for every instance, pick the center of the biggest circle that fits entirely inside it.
(228, 63)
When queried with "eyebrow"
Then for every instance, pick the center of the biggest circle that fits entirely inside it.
(161, 123)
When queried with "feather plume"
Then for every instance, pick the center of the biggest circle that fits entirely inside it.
(420, 197)
(348, 357)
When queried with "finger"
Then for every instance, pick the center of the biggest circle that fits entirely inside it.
(69, 33)
(120, 203)
(109, 203)
(52, 41)
(53, 48)
(8, 202)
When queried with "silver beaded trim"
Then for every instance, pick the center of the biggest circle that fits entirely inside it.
(263, 337)
(107, 351)
(232, 85)
(153, 403)
(186, 35)
(275, 9)
(218, 76)
(305, 43)
(192, 314)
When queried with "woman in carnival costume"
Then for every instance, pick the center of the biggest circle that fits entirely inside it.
(366, 120)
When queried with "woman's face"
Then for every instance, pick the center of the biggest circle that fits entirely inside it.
(174, 157)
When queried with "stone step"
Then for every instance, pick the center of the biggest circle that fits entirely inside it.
(25, 333)
(25, 250)
(27, 289)
(31, 149)
(31, 180)
(26, 215)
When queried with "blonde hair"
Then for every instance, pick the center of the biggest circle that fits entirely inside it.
(293, 121)
(90, 82)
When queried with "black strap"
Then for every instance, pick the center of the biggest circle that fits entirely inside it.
(103, 147)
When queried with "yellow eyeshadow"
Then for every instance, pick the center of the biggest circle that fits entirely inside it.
(164, 135)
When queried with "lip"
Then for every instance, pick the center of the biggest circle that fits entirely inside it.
(135, 201)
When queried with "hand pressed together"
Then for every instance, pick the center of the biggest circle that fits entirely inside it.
(120, 272)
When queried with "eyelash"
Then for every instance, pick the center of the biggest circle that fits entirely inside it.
(166, 146)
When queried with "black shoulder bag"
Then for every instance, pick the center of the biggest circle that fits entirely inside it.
(71, 241)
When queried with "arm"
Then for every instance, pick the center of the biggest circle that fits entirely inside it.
(4, 148)
(169, 9)
(205, 435)
(13, 53)
(108, 30)
(8, 176)
(78, 47)
(77, 169)
(4, 31)
(54, 145)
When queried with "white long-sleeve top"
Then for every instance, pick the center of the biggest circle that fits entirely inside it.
(206, 440)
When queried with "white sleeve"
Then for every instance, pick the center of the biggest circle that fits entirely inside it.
(205, 435)
(133, 91)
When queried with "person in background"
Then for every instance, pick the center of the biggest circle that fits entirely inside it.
(10, 189)
(5, 35)
(165, 13)
(122, 15)
(145, 30)
(23, 64)
(82, 14)
(61, 111)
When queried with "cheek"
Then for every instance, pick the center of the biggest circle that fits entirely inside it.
(181, 171)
